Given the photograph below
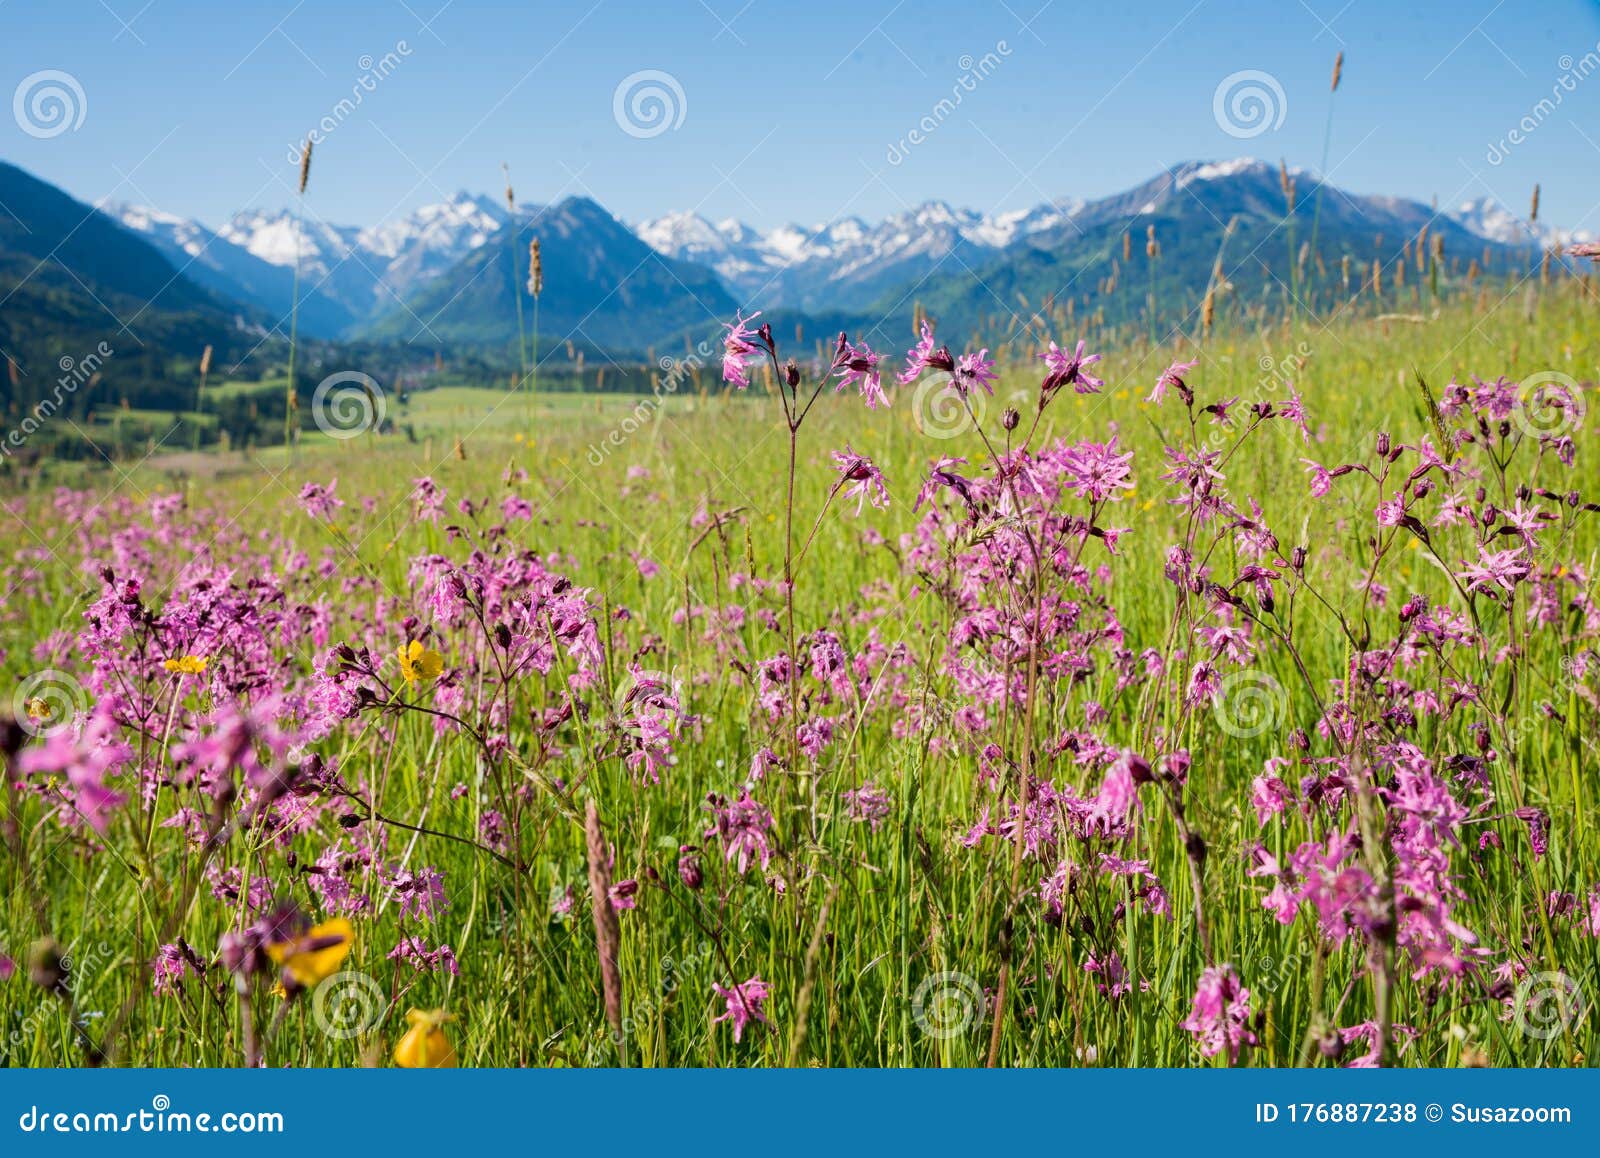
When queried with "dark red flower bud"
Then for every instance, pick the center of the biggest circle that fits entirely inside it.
(689, 870)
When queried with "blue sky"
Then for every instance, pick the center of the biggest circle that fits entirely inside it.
(796, 111)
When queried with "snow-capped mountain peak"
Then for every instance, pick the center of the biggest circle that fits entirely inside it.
(1492, 221)
(803, 265)
(457, 225)
(686, 231)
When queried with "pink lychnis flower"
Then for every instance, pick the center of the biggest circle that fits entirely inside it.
(1096, 471)
(924, 356)
(745, 1002)
(865, 479)
(974, 370)
(1070, 370)
(1502, 569)
(1220, 1017)
(737, 349)
(745, 829)
(1172, 379)
(858, 366)
(319, 501)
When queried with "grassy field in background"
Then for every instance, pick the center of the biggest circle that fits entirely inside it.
(881, 944)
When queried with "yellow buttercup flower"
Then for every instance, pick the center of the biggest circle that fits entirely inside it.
(187, 664)
(424, 1045)
(317, 955)
(418, 663)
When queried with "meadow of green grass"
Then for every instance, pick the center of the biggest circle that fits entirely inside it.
(881, 945)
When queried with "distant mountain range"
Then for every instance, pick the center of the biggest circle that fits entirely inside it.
(447, 273)
(604, 289)
(848, 263)
(348, 275)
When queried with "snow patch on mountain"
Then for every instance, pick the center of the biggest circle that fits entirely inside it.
(792, 263)
(1491, 220)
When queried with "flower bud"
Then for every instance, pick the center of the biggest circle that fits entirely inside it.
(47, 967)
(689, 870)
(1010, 418)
